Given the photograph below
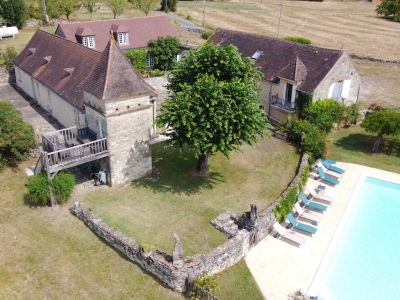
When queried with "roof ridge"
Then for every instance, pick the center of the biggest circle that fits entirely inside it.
(284, 41)
(109, 20)
(64, 39)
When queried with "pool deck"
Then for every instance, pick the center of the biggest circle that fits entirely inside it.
(280, 267)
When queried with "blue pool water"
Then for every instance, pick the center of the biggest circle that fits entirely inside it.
(365, 261)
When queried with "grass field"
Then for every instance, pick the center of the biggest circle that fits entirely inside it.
(48, 254)
(354, 145)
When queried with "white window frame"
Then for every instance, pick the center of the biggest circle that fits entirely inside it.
(150, 61)
(88, 41)
(123, 38)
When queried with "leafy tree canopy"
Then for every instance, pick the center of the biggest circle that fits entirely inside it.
(67, 7)
(171, 5)
(215, 103)
(117, 6)
(298, 39)
(389, 8)
(13, 12)
(164, 51)
(91, 7)
(323, 113)
(144, 5)
(382, 122)
(16, 136)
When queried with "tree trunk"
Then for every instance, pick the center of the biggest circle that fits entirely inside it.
(377, 142)
(115, 14)
(202, 164)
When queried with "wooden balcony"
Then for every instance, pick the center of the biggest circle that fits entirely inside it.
(283, 104)
(70, 147)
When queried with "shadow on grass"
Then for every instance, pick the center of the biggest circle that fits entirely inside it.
(176, 173)
(364, 143)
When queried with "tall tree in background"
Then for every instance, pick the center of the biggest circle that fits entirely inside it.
(214, 105)
(117, 6)
(13, 12)
(382, 122)
(170, 4)
(67, 7)
(389, 8)
(91, 7)
(144, 5)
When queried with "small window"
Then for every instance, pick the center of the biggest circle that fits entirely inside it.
(150, 61)
(256, 55)
(123, 38)
(88, 41)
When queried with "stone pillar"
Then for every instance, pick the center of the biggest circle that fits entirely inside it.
(284, 93)
(177, 253)
(293, 100)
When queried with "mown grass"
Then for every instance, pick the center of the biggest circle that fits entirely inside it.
(354, 145)
(53, 255)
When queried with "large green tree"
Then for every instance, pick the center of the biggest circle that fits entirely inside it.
(67, 7)
(13, 12)
(389, 8)
(16, 136)
(91, 7)
(382, 122)
(117, 6)
(164, 51)
(214, 105)
(144, 5)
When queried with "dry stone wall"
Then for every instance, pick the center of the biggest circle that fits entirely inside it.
(244, 231)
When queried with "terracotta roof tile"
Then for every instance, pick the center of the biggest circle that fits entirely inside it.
(279, 57)
(65, 55)
(141, 30)
(114, 76)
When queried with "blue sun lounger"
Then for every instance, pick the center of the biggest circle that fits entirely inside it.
(311, 204)
(332, 168)
(323, 176)
(296, 224)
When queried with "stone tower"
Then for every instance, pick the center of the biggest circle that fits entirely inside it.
(118, 106)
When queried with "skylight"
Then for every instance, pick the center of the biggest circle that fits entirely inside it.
(256, 55)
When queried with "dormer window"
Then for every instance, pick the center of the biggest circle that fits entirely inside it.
(88, 41)
(123, 38)
(256, 55)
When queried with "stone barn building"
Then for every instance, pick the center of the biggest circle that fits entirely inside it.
(291, 68)
(107, 108)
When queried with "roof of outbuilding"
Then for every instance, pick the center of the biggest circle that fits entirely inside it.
(141, 30)
(114, 76)
(59, 64)
(282, 59)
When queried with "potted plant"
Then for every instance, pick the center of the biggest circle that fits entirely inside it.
(146, 250)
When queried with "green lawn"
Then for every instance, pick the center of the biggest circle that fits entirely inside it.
(354, 145)
(53, 255)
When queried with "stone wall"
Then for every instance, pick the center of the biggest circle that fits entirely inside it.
(381, 60)
(6, 76)
(244, 231)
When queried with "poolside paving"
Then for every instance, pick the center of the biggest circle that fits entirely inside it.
(280, 267)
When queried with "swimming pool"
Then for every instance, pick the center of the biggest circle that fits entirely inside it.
(363, 257)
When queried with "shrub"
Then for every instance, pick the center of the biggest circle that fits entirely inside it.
(304, 177)
(13, 12)
(16, 136)
(312, 142)
(303, 100)
(138, 58)
(285, 206)
(164, 51)
(206, 282)
(39, 190)
(8, 56)
(323, 113)
(206, 35)
(351, 114)
(156, 73)
(298, 39)
(63, 185)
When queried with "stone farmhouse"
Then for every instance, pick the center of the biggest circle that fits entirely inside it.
(132, 33)
(291, 68)
(107, 107)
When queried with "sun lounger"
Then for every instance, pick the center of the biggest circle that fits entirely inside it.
(287, 235)
(330, 161)
(305, 214)
(329, 172)
(323, 176)
(311, 204)
(332, 167)
(296, 224)
(320, 197)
